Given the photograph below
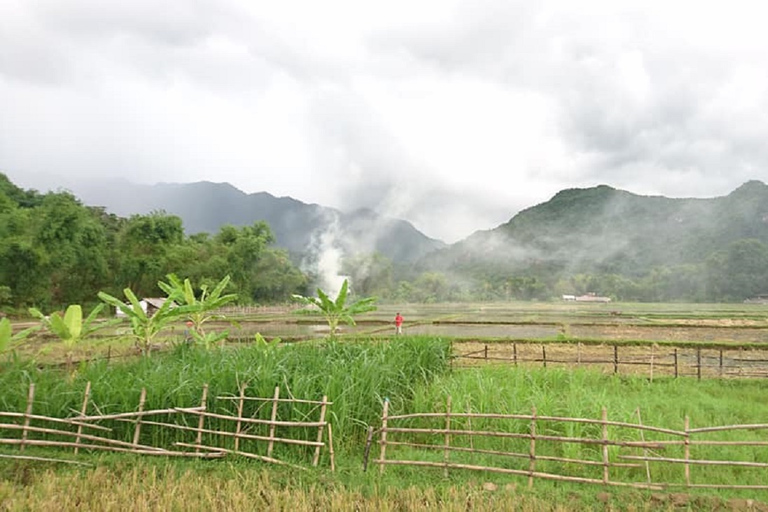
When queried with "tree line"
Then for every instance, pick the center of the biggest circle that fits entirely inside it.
(55, 251)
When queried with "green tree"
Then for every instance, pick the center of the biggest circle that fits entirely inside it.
(199, 309)
(338, 310)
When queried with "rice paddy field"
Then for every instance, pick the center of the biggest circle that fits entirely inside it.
(368, 366)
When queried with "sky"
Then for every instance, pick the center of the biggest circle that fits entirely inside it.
(454, 115)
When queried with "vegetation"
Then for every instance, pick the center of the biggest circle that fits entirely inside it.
(199, 310)
(338, 310)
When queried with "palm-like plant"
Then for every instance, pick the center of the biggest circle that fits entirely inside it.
(199, 310)
(144, 327)
(338, 310)
(70, 327)
(8, 340)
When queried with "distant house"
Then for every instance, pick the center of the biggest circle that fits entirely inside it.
(592, 297)
(569, 297)
(149, 305)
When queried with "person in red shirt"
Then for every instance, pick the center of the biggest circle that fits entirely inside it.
(398, 324)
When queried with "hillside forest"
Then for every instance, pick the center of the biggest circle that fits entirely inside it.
(56, 251)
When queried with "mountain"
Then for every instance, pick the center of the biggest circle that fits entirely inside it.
(298, 227)
(602, 229)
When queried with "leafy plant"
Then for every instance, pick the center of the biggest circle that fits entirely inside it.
(70, 327)
(144, 327)
(199, 310)
(338, 310)
(8, 340)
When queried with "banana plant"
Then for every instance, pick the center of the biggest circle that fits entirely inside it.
(338, 310)
(199, 310)
(144, 327)
(70, 327)
(8, 340)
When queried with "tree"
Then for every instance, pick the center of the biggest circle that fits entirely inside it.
(144, 327)
(199, 310)
(338, 310)
(70, 328)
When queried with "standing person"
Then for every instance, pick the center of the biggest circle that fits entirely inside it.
(398, 323)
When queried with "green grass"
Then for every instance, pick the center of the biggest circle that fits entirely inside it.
(356, 376)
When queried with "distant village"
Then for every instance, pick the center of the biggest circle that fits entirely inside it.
(589, 297)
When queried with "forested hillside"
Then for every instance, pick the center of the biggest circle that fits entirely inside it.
(623, 245)
(55, 251)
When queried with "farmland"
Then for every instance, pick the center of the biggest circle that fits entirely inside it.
(416, 373)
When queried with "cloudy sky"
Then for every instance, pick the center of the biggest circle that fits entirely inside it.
(452, 114)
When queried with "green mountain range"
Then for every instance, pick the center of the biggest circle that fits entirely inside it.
(602, 230)
(299, 227)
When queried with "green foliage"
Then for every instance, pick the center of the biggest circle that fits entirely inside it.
(70, 327)
(199, 310)
(144, 327)
(8, 340)
(338, 310)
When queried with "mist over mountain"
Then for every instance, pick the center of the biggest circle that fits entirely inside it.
(608, 231)
(301, 228)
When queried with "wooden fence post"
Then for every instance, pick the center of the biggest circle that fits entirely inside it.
(486, 351)
(272, 419)
(330, 448)
(447, 439)
(239, 424)
(201, 421)
(698, 363)
(605, 446)
(367, 452)
(383, 440)
(687, 452)
(645, 449)
(83, 410)
(720, 372)
(544, 355)
(652, 354)
(30, 401)
(615, 359)
(320, 430)
(532, 449)
(514, 352)
(676, 370)
(137, 426)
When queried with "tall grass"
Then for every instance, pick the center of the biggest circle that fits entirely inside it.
(355, 375)
(582, 394)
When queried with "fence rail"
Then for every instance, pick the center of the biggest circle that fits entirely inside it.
(649, 360)
(226, 437)
(603, 452)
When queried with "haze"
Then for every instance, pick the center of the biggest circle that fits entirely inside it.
(451, 114)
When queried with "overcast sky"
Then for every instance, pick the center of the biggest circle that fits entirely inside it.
(451, 114)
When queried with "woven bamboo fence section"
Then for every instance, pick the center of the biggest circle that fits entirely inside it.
(648, 360)
(193, 431)
(583, 450)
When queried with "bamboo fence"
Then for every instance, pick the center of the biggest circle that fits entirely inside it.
(229, 435)
(648, 360)
(609, 453)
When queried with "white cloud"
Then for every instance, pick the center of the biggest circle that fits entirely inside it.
(453, 114)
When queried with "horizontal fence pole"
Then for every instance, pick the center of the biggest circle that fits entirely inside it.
(235, 434)
(198, 411)
(139, 414)
(223, 451)
(512, 454)
(141, 451)
(758, 426)
(520, 472)
(512, 435)
(76, 422)
(41, 430)
(261, 399)
(698, 461)
(528, 417)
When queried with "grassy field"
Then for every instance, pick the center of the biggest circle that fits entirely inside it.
(357, 372)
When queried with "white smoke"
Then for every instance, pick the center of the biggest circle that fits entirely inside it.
(324, 257)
